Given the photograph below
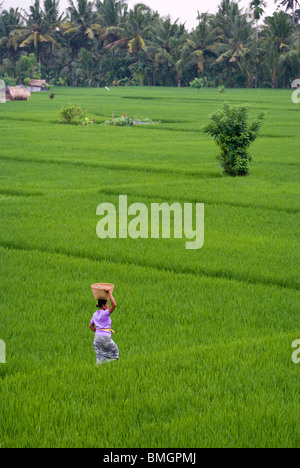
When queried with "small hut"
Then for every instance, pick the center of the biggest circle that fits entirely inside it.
(38, 86)
(17, 93)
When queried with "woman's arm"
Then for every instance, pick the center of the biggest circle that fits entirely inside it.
(113, 302)
(92, 327)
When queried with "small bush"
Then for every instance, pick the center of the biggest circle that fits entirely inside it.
(71, 112)
(126, 121)
(123, 121)
(234, 135)
(221, 89)
(197, 83)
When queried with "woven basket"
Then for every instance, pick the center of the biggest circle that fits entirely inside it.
(98, 290)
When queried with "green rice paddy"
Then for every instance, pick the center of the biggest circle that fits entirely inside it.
(205, 336)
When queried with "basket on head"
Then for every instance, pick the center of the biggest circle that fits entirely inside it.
(99, 292)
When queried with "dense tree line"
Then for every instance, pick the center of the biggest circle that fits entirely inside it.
(98, 43)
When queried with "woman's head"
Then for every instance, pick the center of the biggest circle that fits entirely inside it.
(102, 304)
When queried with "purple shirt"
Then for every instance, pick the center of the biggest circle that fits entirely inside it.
(101, 319)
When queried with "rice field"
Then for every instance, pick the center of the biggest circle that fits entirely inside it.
(205, 336)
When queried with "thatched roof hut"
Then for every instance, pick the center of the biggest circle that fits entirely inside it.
(17, 93)
(38, 85)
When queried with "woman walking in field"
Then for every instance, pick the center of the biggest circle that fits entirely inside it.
(105, 348)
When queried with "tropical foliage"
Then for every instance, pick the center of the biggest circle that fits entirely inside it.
(233, 134)
(98, 43)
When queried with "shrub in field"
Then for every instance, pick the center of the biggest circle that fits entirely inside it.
(231, 131)
(70, 113)
(221, 89)
(123, 121)
(197, 83)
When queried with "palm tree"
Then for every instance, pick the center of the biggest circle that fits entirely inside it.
(290, 5)
(202, 41)
(163, 32)
(280, 28)
(10, 20)
(272, 61)
(54, 19)
(37, 32)
(82, 20)
(134, 29)
(51, 9)
(133, 34)
(257, 8)
(235, 35)
(82, 30)
(277, 43)
(177, 55)
(110, 11)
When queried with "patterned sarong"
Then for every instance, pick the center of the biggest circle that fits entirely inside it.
(106, 349)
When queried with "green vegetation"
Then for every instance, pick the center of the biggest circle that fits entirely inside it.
(71, 113)
(27, 68)
(197, 83)
(204, 336)
(96, 43)
(123, 121)
(8, 81)
(126, 121)
(234, 135)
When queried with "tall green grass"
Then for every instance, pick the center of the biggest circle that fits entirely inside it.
(204, 336)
